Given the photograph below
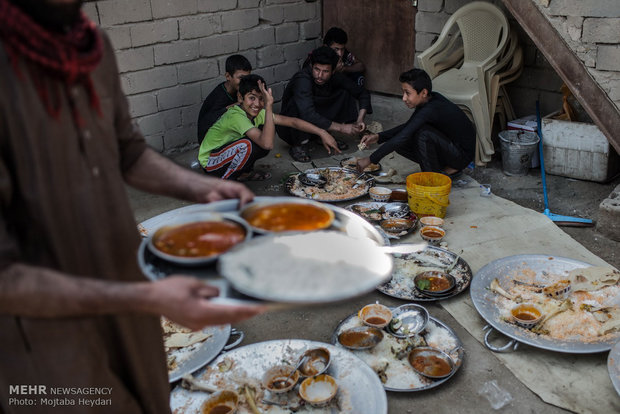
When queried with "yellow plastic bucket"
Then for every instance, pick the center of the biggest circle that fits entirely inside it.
(428, 193)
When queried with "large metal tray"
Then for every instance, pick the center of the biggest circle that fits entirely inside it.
(356, 381)
(433, 384)
(201, 354)
(503, 269)
(290, 182)
(155, 268)
(613, 366)
(461, 271)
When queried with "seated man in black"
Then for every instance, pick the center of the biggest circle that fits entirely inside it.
(321, 96)
(438, 136)
(224, 94)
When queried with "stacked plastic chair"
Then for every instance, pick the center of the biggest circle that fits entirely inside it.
(474, 56)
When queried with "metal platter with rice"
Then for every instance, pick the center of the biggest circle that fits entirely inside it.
(343, 184)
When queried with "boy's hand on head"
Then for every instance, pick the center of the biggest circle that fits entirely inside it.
(329, 142)
(267, 94)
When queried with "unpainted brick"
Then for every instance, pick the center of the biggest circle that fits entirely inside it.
(207, 87)
(239, 20)
(119, 36)
(453, 5)
(90, 10)
(160, 31)
(189, 114)
(180, 95)
(297, 51)
(143, 104)
(171, 118)
(138, 58)
(601, 30)
(424, 40)
(151, 124)
(608, 58)
(172, 8)
(198, 70)
(199, 26)
(115, 12)
(282, 1)
(261, 36)
(246, 4)
(179, 137)
(285, 71)
(585, 8)
(270, 55)
(266, 73)
(299, 12)
(216, 5)
(149, 80)
(180, 51)
(277, 89)
(219, 45)
(310, 30)
(430, 5)
(273, 14)
(287, 33)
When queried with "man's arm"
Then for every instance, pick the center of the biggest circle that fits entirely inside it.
(38, 292)
(156, 174)
(328, 141)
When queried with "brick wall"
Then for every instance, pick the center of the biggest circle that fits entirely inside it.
(591, 28)
(171, 53)
(538, 82)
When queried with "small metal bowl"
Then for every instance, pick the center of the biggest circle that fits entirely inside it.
(432, 234)
(432, 278)
(195, 218)
(316, 362)
(408, 320)
(274, 379)
(361, 337)
(221, 401)
(431, 221)
(397, 225)
(288, 216)
(431, 362)
(318, 391)
(375, 315)
(526, 315)
(312, 179)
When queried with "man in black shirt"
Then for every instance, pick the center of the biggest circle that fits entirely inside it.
(321, 96)
(224, 94)
(438, 136)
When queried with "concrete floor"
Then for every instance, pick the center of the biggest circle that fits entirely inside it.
(461, 393)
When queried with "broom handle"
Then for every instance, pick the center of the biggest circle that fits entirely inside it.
(540, 155)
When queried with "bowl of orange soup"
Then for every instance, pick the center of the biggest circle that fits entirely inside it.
(199, 238)
(286, 216)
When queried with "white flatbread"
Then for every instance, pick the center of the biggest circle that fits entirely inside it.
(593, 278)
(182, 339)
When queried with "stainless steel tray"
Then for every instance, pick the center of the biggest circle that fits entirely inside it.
(613, 366)
(413, 374)
(461, 271)
(360, 391)
(502, 269)
(199, 355)
(290, 182)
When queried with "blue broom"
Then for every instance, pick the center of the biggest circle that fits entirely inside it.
(556, 218)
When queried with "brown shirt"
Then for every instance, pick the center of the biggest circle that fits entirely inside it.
(63, 206)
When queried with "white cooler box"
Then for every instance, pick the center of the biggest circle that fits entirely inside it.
(577, 150)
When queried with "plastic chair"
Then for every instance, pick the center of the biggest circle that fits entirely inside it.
(485, 31)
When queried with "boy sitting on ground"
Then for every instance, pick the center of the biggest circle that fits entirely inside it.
(337, 39)
(245, 133)
(224, 94)
(438, 135)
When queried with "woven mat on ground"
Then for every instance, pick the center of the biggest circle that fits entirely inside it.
(489, 228)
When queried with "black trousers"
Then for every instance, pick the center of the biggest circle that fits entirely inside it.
(434, 151)
(339, 107)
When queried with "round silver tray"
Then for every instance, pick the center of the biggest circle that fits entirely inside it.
(156, 268)
(434, 383)
(360, 391)
(613, 366)
(290, 182)
(503, 269)
(202, 353)
(461, 271)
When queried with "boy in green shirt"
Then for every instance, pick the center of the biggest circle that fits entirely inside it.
(245, 133)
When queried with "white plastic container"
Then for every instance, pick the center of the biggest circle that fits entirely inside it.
(577, 150)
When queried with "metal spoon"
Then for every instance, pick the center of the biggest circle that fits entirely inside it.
(283, 383)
